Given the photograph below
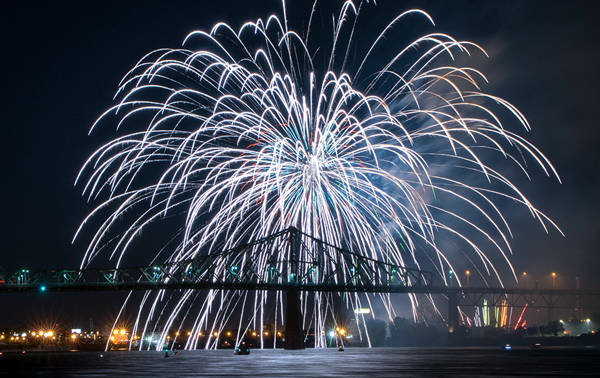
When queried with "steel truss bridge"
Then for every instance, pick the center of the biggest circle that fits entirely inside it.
(289, 261)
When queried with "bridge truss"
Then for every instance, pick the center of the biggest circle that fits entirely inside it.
(290, 261)
(287, 259)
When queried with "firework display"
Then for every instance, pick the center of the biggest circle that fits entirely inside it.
(389, 150)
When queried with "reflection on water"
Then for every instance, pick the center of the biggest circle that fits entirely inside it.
(361, 362)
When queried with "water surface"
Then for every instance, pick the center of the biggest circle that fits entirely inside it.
(353, 362)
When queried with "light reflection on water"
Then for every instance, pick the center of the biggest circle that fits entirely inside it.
(361, 362)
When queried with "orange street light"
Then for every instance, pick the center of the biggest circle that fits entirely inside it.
(525, 278)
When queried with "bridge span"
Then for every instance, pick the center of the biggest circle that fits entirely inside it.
(290, 261)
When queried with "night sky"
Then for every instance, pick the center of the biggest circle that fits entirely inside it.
(63, 63)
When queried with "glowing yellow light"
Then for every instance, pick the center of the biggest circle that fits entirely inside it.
(266, 333)
(215, 334)
(112, 338)
(278, 333)
(33, 333)
(123, 331)
(342, 331)
(468, 272)
(189, 333)
(116, 332)
(253, 333)
(228, 333)
(73, 336)
(553, 274)
(524, 274)
(177, 333)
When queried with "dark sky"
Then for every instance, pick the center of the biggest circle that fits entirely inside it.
(61, 65)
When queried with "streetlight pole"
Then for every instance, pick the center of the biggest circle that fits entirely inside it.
(551, 307)
(578, 308)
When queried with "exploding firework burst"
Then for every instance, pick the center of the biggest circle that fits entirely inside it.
(261, 128)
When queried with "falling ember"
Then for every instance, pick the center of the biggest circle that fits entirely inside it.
(262, 128)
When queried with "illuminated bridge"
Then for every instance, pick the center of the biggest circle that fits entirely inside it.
(289, 261)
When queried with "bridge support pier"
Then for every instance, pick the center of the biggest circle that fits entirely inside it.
(294, 335)
(453, 317)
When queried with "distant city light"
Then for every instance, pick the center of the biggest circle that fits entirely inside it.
(362, 310)
(332, 333)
